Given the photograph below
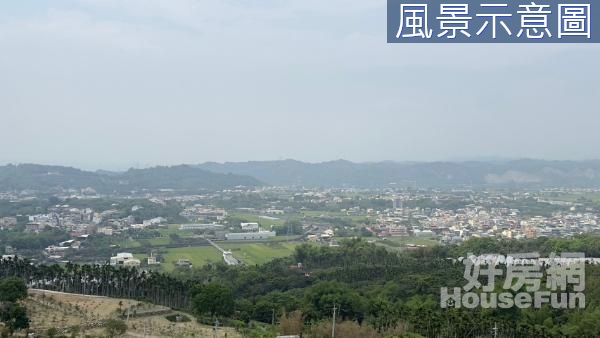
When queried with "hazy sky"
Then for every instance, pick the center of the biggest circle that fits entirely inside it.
(119, 83)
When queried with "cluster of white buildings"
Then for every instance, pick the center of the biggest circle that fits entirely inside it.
(203, 213)
(7, 222)
(124, 259)
(479, 221)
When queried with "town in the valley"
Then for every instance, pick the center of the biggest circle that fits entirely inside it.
(168, 230)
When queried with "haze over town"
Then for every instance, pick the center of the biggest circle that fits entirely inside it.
(118, 85)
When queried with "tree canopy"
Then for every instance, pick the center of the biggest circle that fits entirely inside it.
(214, 299)
(12, 289)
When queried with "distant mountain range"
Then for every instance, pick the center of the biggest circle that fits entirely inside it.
(421, 174)
(181, 177)
(210, 175)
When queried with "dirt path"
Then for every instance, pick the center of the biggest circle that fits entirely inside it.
(69, 309)
(140, 335)
(67, 293)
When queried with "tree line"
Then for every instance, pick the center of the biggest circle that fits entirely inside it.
(375, 291)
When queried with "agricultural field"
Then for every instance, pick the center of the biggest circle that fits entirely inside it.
(401, 243)
(249, 253)
(174, 229)
(197, 255)
(354, 219)
(128, 243)
(259, 253)
(80, 316)
(159, 241)
(164, 239)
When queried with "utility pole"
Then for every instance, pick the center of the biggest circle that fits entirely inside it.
(495, 330)
(215, 328)
(273, 317)
(333, 325)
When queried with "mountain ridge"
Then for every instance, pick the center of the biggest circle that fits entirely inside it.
(52, 177)
(336, 173)
(528, 172)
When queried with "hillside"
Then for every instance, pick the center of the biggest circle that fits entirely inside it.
(526, 172)
(86, 314)
(182, 177)
(341, 173)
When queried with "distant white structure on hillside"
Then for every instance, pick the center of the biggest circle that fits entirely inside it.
(249, 236)
(249, 226)
(154, 221)
(229, 259)
(152, 260)
(124, 259)
(205, 227)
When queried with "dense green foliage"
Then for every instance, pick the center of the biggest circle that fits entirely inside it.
(590, 245)
(382, 292)
(54, 178)
(212, 299)
(33, 241)
(102, 280)
(12, 314)
(290, 227)
(343, 173)
(12, 289)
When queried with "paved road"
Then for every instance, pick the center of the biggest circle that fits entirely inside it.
(227, 256)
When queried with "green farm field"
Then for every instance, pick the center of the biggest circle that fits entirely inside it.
(197, 255)
(401, 243)
(262, 221)
(259, 253)
(249, 253)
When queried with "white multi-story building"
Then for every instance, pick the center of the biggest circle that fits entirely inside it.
(249, 226)
(124, 259)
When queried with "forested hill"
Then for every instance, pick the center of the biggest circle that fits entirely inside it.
(182, 177)
(210, 175)
(379, 293)
(534, 173)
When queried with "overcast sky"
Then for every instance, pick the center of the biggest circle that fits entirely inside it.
(120, 83)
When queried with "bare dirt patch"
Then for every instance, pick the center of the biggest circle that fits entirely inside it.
(86, 314)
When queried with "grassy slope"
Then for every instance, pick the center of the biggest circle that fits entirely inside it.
(259, 253)
(198, 255)
(62, 310)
